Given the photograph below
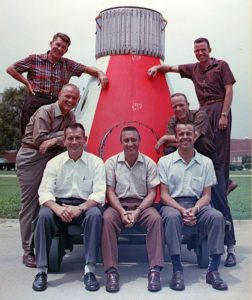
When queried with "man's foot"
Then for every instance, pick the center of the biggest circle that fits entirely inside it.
(177, 281)
(216, 281)
(230, 260)
(40, 282)
(154, 283)
(231, 187)
(90, 282)
(29, 260)
(112, 284)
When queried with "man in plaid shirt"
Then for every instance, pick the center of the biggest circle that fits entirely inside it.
(46, 75)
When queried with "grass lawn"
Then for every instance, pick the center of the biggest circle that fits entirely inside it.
(239, 200)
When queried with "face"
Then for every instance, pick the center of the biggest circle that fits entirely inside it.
(58, 48)
(68, 99)
(180, 108)
(130, 142)
(185, 136)
(202, 52)
(75, 141)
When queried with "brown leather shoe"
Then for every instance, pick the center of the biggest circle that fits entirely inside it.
(216, 281)
(29, 260)
(154, 283)
(112, 285)
(230, 260)
(231, 187)
(177, 281)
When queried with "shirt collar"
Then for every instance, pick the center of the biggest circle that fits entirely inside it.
(83, 157)
(44, 56)
(176, 157)
(57, 111)
(121, 157)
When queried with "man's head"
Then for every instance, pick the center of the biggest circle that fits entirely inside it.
(185, 135)
(59, 45)
(202, 49)
(75, 140)
(180, 106)
(68, 98)
(130, 140)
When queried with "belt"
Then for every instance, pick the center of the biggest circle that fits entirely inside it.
(29, 146)
(206, 102)
(46, 96)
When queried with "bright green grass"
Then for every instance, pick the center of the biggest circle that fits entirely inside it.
(239, 200)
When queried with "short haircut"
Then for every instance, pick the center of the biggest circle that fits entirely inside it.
(62, 36)
(75, 87)
(202, 40)
(74, 126)
(130, 128)
(185, 124)
(180, 95)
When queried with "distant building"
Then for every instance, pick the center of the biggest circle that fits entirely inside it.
(238, 149)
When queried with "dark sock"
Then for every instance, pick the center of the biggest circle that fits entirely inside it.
(214, 262)
(176, 263)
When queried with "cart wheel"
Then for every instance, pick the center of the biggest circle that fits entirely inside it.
(54, 259)
(202, 254)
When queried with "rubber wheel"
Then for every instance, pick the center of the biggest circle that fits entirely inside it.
(54, 259)
(202, 254)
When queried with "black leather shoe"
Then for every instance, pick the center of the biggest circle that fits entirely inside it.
(177, 281)
(154, 283)
(90, 282)
(216, 281)
(40, 282)
(29, 260)
(230, 260)
(112, 284)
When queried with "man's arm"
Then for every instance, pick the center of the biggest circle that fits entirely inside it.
(99, 74)
(152, 72)
(169, 139)
(16, 75)
(223, 121)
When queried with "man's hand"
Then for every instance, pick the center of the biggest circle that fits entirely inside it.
(103, 79)
(152, 72)
(29, 88)
(133, 216)
(223, 122)
(74, 211)
(63, 213)
(189, 217)
(44, 146)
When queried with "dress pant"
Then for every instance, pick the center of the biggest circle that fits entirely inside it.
(149, 219)
(210, 221)
(48, 224)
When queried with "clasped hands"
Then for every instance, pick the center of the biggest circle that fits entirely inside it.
(189, 217)
(67, 212)
(130, 217)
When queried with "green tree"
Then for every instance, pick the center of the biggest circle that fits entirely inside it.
(10, 111)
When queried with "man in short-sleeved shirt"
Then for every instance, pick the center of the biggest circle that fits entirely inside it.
(132, 180)
(46, 75)
(186, 179)
(213, 82)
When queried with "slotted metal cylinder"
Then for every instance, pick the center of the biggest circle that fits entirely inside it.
(130, 30)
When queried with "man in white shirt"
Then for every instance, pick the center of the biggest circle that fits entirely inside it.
(72, 188)
(186, 179)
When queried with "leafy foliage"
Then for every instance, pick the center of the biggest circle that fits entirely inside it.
(10, 111)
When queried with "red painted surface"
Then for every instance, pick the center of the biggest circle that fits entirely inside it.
(132, 98)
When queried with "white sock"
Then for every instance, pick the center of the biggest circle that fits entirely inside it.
(231, 249)
(89, 267)
(40, 270)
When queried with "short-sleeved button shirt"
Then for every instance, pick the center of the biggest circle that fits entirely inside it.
(209, 83)
(185, 179)
(133, 181)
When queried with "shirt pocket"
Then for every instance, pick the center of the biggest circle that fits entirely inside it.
(87, 185)
(197, 184)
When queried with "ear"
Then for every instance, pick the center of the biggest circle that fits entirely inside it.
(210, 50)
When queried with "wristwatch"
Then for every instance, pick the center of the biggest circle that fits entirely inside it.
(225, 114)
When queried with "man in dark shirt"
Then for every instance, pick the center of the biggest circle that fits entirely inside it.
(204, 144)
(43, 139)
(46, 75)
(213, 82)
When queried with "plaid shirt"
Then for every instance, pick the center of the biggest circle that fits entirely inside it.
(46, 77)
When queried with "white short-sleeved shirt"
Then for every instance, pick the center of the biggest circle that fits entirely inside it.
(65, 178)
(133, 181)
(186, 179)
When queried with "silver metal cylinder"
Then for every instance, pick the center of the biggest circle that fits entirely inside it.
(130, 30)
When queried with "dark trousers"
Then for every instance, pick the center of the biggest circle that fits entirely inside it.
(209, 221)
(149, 219)
(31, 104)
(48, 224)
